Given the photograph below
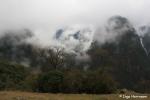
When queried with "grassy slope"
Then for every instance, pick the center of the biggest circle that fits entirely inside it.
(45, 96)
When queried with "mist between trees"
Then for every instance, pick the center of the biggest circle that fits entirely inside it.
(120, 62)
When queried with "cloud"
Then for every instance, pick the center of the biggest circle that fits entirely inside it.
(76, 38)
(44, 17)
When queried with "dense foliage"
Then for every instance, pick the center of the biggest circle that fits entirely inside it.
(11, 76)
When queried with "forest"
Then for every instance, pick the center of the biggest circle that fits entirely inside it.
(123, 63)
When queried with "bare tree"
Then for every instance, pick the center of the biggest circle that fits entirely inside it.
(56, 57)
(52, 56)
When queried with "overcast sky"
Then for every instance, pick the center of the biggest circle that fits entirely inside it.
(45, 16)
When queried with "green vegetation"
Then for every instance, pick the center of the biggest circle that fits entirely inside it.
(111, 66)
(14, 77)
(11, 76)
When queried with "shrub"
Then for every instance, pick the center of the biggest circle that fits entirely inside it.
(50, 82)
(11, 75)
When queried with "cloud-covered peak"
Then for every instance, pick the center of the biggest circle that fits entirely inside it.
(75, 38)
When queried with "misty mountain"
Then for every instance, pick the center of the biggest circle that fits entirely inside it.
(14, 45)
(75, 46)
(125, 57)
